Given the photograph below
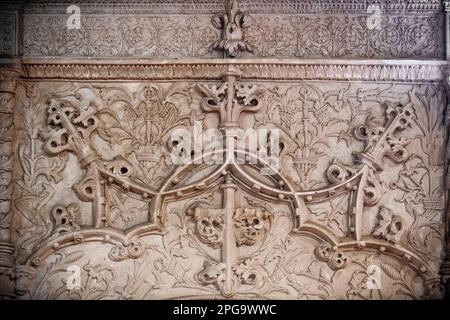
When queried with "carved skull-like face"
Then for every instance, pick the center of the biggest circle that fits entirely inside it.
(150, 93)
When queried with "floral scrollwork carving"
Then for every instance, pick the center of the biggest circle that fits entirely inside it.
(373, 189)
(132, 250)
(239, 97)
(232, 24)
(212, 273)
(335, 258)
(390, 227)
(86, 187)
(338, 172)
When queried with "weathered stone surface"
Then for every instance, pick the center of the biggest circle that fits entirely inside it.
(355, 208)
(275, 29)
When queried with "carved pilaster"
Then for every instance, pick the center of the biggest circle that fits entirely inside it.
(445, 268)
(8, 80)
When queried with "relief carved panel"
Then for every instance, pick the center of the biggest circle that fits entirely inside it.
(354, 210)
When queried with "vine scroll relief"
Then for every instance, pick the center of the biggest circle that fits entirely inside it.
(357, 187)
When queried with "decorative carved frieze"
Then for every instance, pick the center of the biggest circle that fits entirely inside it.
(267, 69)
(8, 82)
(212, 6)
(329, 216)
(293, 29)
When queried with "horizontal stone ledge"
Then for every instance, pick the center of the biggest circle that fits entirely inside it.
(251, 69)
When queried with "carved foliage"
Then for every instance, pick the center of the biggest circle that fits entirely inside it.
(66, 219)
(226, 244)
(390, 227)
(231, 23)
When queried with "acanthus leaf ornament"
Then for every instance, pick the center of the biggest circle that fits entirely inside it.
(390, 227)
(235, 242)
(232, 24)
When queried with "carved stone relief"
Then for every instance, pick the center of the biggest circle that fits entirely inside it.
(8, 33)
(348, 203)
(274, 29)
(96, 173)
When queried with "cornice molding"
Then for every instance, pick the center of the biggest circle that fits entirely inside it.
(214, 6)
(252, 69)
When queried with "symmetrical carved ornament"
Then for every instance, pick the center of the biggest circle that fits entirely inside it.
(351, 201)
(129, 191)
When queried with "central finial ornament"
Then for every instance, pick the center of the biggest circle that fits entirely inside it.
(231, 23)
